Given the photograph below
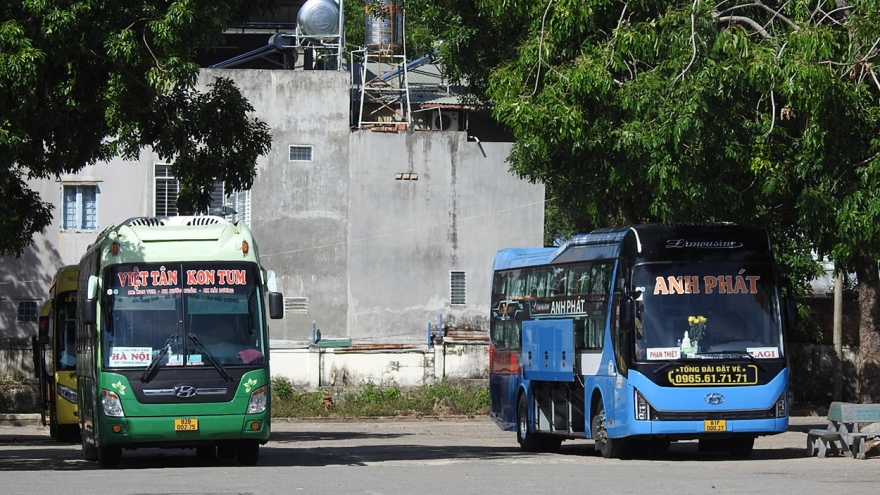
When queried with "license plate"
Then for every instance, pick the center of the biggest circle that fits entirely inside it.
(715, 425)
(186, 424)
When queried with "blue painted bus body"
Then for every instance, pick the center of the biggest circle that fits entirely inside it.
(586, 339)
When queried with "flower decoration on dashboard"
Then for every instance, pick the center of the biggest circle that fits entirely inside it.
(698, 327)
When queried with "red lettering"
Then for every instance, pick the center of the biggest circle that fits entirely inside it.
(232, 277)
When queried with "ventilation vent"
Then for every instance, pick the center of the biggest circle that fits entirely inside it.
(147, 221)
(296, 305)
(206, 220)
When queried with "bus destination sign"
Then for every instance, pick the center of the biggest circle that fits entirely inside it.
(689, 375)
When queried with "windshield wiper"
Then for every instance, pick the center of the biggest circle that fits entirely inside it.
(154, 363)
(211, 358)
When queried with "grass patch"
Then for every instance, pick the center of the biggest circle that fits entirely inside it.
(442, 398)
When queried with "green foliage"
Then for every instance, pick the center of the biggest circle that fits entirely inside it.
(371, 400)
(753, 112)
(84, 81)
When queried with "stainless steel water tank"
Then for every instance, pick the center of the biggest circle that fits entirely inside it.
(317, 17)
(384, 31)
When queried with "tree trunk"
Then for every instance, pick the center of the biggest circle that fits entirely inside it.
(869, 338)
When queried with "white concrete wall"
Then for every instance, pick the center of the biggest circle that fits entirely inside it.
(372, 254)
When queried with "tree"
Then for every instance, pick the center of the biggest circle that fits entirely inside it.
(83, 81)
(746, 110)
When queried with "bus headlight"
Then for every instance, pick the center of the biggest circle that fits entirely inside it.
(257, 403)
(644, 410)
(112, 404)
(781, 409)
(66, 393)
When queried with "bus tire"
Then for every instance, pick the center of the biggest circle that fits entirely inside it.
(109, 456)
(531, 441)
(248, 453)
(611, 448)
(90, 452)
(527, 440)
(741, 446)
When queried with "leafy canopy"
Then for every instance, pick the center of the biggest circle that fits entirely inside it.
(83, 81)
(751, 111)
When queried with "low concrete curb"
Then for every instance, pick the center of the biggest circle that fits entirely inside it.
(19, 419)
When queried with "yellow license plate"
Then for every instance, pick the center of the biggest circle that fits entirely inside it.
(186, 424)
(715, 425)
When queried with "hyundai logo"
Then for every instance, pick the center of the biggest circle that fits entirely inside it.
(714, 399)
(185, 391)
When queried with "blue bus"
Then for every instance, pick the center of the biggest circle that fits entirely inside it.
(639, 336)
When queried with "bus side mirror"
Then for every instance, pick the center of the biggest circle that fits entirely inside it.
(276, 305)
(90, 302)
(43, 329)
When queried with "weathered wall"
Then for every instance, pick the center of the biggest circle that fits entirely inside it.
(372, 254)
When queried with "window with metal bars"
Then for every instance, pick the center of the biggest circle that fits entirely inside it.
(27, 311)
(300, 153)
(238, 203)
(79, 207)
(457, 288)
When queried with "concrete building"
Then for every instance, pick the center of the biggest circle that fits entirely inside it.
(382, 241)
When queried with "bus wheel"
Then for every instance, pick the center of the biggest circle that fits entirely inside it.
(741, 446)
(609, 447)
(531, 441)
(206, 452)
(248, 453)
(109, 456)
(527, 441)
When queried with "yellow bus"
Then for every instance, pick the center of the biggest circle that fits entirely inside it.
(55, 356)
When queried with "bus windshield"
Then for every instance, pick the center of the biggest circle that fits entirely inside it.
(705, 309)
(183, 314)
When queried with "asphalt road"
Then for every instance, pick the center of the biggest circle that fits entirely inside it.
(425, 457)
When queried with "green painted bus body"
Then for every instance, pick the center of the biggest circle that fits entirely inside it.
(152, 383)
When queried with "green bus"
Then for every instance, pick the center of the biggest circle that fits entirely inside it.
(172, 339)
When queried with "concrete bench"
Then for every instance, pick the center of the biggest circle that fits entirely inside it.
(822, 441)
(844, 429)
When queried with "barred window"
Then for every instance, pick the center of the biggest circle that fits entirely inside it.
(300, 153)
(167, 188)
(27, 311)
(79, 210)
(458, 288)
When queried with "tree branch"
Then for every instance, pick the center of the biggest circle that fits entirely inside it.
(746, 20)
(759, 4)
(693, 44)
